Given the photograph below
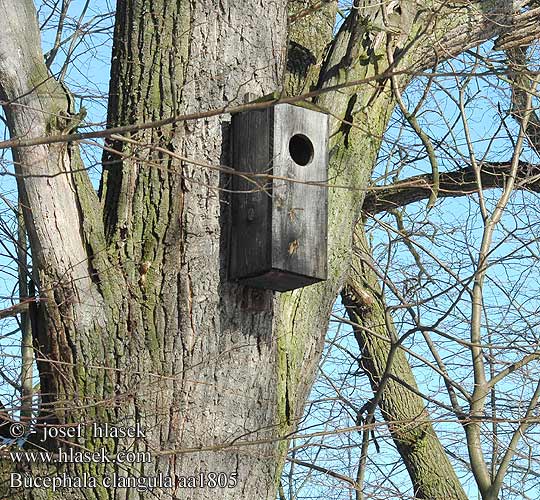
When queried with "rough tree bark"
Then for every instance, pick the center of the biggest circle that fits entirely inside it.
(137, 322)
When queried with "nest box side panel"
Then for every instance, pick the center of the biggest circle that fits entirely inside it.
(300, 208)
(251, 200)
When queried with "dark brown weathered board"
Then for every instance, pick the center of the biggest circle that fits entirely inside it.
(279, 223)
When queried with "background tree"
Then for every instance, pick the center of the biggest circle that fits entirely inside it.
(136, 321)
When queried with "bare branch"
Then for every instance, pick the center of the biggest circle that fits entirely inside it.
(324, 470)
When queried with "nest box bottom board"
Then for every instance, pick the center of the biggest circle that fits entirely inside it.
(280, 281)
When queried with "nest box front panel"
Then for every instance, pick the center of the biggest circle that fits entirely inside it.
(279, 199)
(299, 196)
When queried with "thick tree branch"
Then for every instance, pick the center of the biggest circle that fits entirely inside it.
(62, 214)
(15, 310)
(521, 76)
(523, 31)
(392, 379)
(452, 185)
(36, 105)
(473, 23)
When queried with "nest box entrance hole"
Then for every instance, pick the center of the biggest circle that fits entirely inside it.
(301, 149)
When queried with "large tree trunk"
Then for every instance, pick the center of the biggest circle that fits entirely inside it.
(138, 322)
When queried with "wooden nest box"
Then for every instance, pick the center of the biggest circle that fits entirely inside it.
(279, 202)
